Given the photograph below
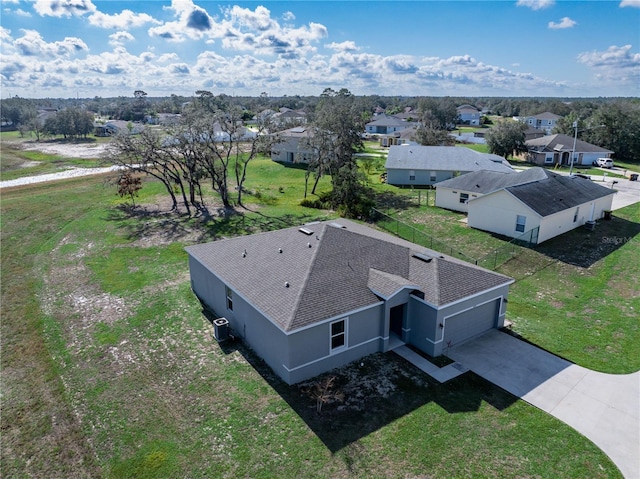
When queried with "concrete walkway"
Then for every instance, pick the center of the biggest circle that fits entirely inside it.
(439, 374)
(603, 407)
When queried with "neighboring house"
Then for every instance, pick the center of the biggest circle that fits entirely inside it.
(165, 119)
(113, 127)
(387, 125)
(468, 115)
(404, 137)
(543, 121)
(455, 194)
(552, 205)
(311, 299)
(288, 117)
(290, 149)
(532, 133)
(556, 149)
(413, 165)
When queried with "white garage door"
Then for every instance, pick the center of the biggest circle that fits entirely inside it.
(468, 324)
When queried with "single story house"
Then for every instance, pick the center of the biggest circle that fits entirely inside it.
(291, 147)
(549, 206)
(314, 298)
(468, 115)
(556, 149)
(113, 127)
(455, 193)
(415, 165)
(387, 125)
(543, 121)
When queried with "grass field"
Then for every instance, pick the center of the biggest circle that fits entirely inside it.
(109, 368)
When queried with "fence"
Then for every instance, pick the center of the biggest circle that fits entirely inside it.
(491, 260)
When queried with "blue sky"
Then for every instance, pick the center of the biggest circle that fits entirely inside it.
(87, 48)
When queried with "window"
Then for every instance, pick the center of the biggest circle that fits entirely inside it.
(432, 176)
(338, 334)
(548, 159)
(464, 197)
(521, 221)
(229, 295)
(412, 175)
(575, 215)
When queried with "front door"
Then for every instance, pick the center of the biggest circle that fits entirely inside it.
(396, 316)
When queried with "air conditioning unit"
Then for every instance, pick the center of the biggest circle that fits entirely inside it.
(221, 329)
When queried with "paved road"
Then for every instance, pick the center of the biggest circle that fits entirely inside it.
(603, 407)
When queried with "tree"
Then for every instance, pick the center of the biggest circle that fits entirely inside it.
(129, 185)
(431, 137)
(336, 137)
(149, 153)
(507, 138)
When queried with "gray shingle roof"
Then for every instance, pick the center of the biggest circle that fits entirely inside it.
(560, 142)
(333, 271)
(389, 121)
(442, 158)
(557, 193)
(484, 182)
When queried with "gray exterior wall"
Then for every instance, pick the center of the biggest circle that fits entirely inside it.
(310, 349)
(423, 326)
(260, 334)
(400, 177)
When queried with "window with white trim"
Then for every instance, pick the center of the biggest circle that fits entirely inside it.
(432, 176)
(338, 334)
(229, 295)
(549, 159)
(464, 198)
(412, 175)
(575, 215)
(521, 221)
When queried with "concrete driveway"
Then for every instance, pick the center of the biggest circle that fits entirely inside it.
(603, 407)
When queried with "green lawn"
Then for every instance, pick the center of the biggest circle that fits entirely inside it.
(110, 370)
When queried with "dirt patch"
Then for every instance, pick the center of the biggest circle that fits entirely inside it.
(69, 150)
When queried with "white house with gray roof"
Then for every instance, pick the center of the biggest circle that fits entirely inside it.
(415, 165)
(314, 298)
(549, 203)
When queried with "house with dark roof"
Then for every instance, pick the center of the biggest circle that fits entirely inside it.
(545, 121)
(386, 125)
(468, 115)
(541, 201)
(314, 298)
(557, 149)
(455, 193)
(291, 147)
(416, 165)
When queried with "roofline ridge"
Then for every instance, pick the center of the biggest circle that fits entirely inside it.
(303, 288)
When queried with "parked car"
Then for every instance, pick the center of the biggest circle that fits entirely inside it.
(604, 162)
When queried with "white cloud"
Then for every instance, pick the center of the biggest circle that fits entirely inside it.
(346, 46)
(616, 64)
(565, 22)
(32, 44)
(119, 38)
(630, 3)
(288, 16)
(64, 8)
(21, 13)
(123, 20)
(535, 4)
(167, 57)
(193, 22)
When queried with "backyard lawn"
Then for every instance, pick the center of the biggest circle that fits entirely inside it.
(109, 368)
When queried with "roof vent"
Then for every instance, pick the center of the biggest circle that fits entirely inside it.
(286, 284)
(306, 231)
(279, 250)
(423, 257)
(337, 225)
(244, 253)
(309, 245)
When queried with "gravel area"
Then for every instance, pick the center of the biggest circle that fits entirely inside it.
(70, 173)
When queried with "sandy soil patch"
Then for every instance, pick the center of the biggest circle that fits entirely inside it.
(70, 150)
